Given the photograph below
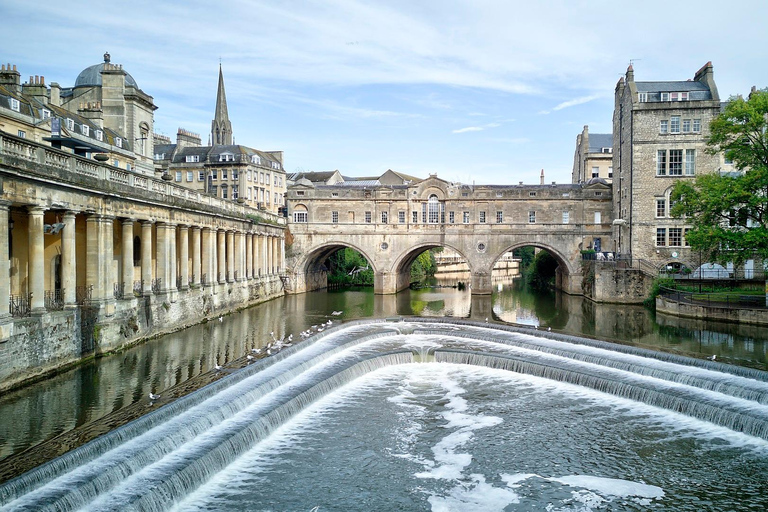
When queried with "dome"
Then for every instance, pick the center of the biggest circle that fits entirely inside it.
(595, 181)
(91, 76)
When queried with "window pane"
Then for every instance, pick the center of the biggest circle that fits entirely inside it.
(675, 162)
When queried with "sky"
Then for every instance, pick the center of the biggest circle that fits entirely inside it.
(475, 91)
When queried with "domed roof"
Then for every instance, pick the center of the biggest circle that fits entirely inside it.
(595, 181)
(91, 76)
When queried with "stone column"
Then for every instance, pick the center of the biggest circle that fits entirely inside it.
(206, 255)
(248, 256)
(230, 256)
(271, 269)
(146, 257)
(68, 260)
(36, 248)
(99, 255)
(265, 255)
(222, 257)
(184, 256)
(282, 252)
(107, 243)
(127, 278)
(163, 257)
(256, 255)
(173, 270)
(196, 266)
(5, 260)
(274, 255)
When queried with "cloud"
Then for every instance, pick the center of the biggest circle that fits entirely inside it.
(476, 128)
(576, 101)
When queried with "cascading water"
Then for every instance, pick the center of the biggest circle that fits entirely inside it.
(181, 450)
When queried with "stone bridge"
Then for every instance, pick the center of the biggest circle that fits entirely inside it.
(392, 224)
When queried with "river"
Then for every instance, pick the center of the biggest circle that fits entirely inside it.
(41, 411)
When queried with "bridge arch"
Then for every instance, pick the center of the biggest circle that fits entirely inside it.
(309, 271)
(561, 259)
(401, 265)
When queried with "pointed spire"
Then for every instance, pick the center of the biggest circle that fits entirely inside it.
(221, 128)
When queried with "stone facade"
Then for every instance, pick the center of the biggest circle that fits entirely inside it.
(660, 131)
(392, 224)
(593, 157)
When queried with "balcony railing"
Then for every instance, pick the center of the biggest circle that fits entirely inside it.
(156, 285)
(138, 288)
(19, 305)
(83, 294)
(54, 300)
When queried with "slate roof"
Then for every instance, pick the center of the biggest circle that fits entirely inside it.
(598, 141)
(696, 90)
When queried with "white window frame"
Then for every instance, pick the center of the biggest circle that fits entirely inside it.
(466, 217)
(99, 135)
(531, 217)
(301, 217)
(689, 162)
(499, 216)
(674, 124)
(664, 126)
(385, 217)
(22, 134)
(368, 217)
(598, 218)
(481, 217)
(335, 217)
(642, 97)
(118, 142)
(178, 176)
(190, 176)
(401, 216)
(200, 175)
(70, 124)
(566, 217)
(15, 105)
(85, 129)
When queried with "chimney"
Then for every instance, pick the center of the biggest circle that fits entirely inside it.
(630, 74)
(186, 139)
(92, 111)
(542, 177)
(55, 99)
(10, 78)
(706, 75)
(36, 89)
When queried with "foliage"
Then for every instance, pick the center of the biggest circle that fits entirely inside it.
(525, 255)
(541, 273)
(341, 265)
(658, 284)
(729, 212)
(424, 266)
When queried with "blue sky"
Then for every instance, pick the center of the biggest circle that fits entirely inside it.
(484, 91)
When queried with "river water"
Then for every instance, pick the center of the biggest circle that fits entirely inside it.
(41, 411)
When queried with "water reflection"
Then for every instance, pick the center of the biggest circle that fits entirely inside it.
(93, 390)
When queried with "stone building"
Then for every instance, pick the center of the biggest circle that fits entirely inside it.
(593, 157)
(223, 169)
(660, 131)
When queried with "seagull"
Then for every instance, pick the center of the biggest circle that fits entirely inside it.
(329, 322)
(221, 318)
(712, 357)
(256, 350)
(250, 358)
(218, 367)
(153, 396)
(549, 329)
(486, 319)
(320, 329)
(290, 338)
(337, 313)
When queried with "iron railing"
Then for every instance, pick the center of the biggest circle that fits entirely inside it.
(117, 290)
(18, 305)
(204, 279)
(715, 300)
(83, 294)
(138, 288)
(54, 300)
(156, 285)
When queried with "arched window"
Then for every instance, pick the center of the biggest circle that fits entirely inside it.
(300, 214)
(433, 207)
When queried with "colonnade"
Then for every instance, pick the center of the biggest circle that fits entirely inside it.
(101, 258)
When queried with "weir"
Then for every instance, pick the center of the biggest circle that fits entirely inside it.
(156, 461)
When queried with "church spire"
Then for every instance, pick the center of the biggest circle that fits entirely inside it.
(221, 128)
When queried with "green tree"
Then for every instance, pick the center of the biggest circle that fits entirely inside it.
(729, 211)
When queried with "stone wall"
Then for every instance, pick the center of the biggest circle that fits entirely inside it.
(686, 310)
(610, 284)
(39, 345)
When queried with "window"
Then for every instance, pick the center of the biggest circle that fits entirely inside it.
(531, 194)
(727, 160)
(661, 208)
(675, 162)
(127, 167)
(566, 217)
(118, 142)
(595, 172)
(266, 179)
(415, 217)
(299, 192)
(335, 217)
(434, 209)
(367, 217)
(275, 165)
(261, 177)
(697, 125)
(85, 129)
(192, 158)
(266, 195)
(531, 217)
(200, 175)
(466, 217)
(300, 216)
(482, 217)
(226, 157)
(384, 217)
(277, 197)
(452, 217)
(674, 124)
(178, 175)
(334, 194)
(665, 96)
(99, 135)
(661, 162)
(686, 125)
(499, 194)
(214, 174)
(610, 172)
(15, 105)
(642, 97)
(690, 162)
(661, 237)
(22, 134)
(598, 218)
(71, 125)
(255, 159)
(45, 113)
(116, 163)
(214, 190)
(224, 174)
(235, 175)
(664, 126)
(499, 217)
(250, 176)
(236, 192)
(401, 217)
(190, 175)
(675, 237)
(224, 191)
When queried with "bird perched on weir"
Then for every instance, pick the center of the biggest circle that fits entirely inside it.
(153, 396)
(712, 357)
(218, 367)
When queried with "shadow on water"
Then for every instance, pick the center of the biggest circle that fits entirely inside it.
(98, 388)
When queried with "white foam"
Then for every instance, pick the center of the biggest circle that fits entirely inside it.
(611, 486)
(478, 497)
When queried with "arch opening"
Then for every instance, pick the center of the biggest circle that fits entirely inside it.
(433, 266)
(335, 265)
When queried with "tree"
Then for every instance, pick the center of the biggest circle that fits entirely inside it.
(729, 211)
